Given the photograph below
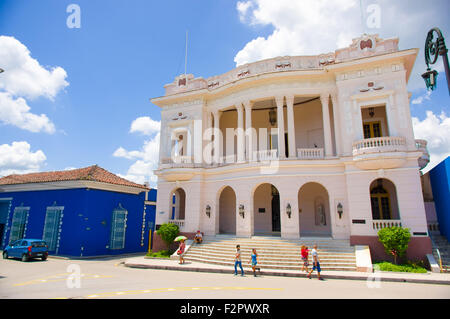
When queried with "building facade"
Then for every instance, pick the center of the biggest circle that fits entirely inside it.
(79, 213)
(295, 146)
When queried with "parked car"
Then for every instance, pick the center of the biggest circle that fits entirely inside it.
(26, 249)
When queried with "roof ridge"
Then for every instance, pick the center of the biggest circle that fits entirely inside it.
(91, 173)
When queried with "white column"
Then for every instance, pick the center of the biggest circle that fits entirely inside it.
(248, 131)
(291, 126)
(189, 144)
(324, 98)
(337, 127)
(391, 116)
(240, 133)
(358, 133)
(280, 121)
(217, 136)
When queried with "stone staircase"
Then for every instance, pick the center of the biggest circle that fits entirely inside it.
(441, 243)
(274, 252)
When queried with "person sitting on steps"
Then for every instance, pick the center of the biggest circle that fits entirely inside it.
(198, 238)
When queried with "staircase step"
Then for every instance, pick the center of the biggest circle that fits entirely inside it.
(274, 252)
(323, 266)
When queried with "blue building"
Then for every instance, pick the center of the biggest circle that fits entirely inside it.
(79, 213)
(440, 185)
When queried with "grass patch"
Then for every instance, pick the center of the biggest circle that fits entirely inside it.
(159, 254)
(409, 267)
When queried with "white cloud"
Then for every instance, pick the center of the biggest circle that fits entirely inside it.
(17, 112)
(145, 159)
(18, 158)
(421, 98)
(25, 79)
(145, 125)
(300, 27)
(242, 7)
(24, 76)
(436, 131)
(319, 26)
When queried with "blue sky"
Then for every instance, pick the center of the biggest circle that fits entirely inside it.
(125, 51)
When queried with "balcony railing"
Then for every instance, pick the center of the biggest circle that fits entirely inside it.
(385, 223)
(267, 155)
(178, 162)
(379, 144)
(178, 222)
(310, 153)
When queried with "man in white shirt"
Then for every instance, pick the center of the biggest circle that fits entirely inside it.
(316, 263)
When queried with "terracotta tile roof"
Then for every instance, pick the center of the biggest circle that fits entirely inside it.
(91, 173)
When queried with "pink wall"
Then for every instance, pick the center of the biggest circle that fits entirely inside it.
(418, 247)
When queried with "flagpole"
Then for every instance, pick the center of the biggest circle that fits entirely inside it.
(185, 56)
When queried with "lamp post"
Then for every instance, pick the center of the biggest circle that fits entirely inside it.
(434, 48)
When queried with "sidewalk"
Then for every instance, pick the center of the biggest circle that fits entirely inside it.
(171, 264)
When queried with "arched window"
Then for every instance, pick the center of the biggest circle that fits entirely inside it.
(379, 199)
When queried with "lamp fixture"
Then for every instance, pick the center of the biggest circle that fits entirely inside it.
(340, 210)
(288, 210)
(272, 117)
(241, 211)
(208, 211)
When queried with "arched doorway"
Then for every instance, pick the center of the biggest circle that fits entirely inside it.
(178, 204)
(227, 211)
(383, 199)
(314, 210)
(266, 203)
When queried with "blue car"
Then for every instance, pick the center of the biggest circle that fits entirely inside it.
(26, 249)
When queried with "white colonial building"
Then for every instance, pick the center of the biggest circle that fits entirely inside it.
(295, 146)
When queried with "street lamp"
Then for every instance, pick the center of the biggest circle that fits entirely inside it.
(434, 48)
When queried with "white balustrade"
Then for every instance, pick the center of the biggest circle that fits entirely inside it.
(178, 161)
(178, 222)
(267, 155)
(385, 223)
(379, 144)
(310, 153)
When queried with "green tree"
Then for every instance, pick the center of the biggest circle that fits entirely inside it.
(168, 232)
(395, 240)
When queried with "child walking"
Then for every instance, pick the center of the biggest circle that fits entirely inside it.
(304, 253)
(237, 261)
(180, 251)
(254, 260)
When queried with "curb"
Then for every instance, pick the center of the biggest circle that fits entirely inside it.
(379, 277)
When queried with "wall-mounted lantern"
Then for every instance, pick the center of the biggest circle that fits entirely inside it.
(371, 111)
(340, 210)
(208, 211)
(288, 210)
(241, 211)
(272, 117)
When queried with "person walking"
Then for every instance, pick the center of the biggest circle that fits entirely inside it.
(180, 251)
(304, 254)
(316, 263)
(237, 261)
(254, 260)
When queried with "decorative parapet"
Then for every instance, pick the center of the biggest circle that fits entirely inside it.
(364, 46)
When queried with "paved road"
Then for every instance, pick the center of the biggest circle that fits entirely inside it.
(107, 278)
